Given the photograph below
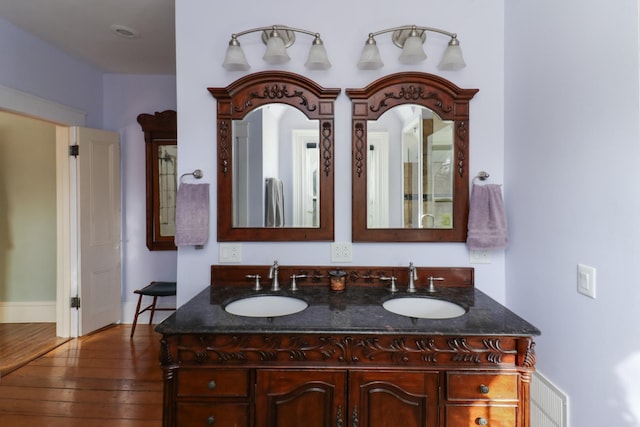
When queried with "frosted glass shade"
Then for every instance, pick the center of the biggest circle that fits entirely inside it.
(370, 57)
(452, 58)
(412, 52)
(234, 59)
(276, 53)
(318, 58)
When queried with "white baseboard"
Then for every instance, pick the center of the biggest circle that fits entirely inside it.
(28, 312)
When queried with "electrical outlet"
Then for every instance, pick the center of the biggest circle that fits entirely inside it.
(230, 252)
(341, 252)
(478, 256)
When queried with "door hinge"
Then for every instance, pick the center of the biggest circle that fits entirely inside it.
(74, 150)
(75, 302)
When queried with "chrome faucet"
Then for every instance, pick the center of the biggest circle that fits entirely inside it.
(413, 276)
(273, 274)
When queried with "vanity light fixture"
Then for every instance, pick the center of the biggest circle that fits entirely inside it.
(277, 38)
(410, 38)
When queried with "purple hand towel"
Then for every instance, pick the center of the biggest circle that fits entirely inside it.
(487, 227)
(192, 215)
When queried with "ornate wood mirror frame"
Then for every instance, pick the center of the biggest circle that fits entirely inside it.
(160, 129)
(239, 99)
(445, 99)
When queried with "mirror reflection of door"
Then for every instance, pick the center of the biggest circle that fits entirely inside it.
(306, 200)
(417, 192)
(276, 169)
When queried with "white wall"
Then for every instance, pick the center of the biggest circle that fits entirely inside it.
(203, 33)
(125, 97)
(572, 152)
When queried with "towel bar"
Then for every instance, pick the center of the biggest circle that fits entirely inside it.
(197, 174)
(482, 176)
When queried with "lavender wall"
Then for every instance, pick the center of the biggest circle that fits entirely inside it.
(202, 37)
(126, 96)
(30, 65)
(572, 152)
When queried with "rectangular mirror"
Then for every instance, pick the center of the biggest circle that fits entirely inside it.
(161, 157)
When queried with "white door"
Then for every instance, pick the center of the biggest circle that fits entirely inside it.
(99, 229)
(90, 239)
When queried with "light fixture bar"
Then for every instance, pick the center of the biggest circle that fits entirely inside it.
(277, 38)
(410, 38)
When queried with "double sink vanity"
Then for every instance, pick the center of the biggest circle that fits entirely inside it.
(370, 355)
(390, 346)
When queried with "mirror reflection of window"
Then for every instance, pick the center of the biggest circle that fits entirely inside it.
(276, 145)
(414, 188)
(168, 185)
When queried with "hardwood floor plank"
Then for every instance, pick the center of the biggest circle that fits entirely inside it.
(104, 379)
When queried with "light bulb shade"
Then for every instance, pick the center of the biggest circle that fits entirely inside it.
(234, 59)
(452, 59)
(370, 57)
(412, 52)
(318, 58)
(276, 53)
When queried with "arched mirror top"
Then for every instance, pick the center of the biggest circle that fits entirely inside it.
(245, 188)
(410, 179)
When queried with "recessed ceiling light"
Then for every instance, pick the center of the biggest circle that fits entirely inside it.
(124, 31)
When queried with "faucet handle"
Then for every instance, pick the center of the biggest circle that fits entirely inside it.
(294, 285)
(392, 279)
(431, 286)
(256, 285)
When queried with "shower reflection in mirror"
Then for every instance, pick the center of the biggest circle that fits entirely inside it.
(168, 181)
(276, 169)
(414, 140)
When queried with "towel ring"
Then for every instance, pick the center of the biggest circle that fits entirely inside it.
(482, 176)
(197, 174)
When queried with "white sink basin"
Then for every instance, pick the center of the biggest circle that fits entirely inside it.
(423, 308)
(266, 306)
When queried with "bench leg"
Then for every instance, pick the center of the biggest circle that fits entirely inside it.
(135, 319)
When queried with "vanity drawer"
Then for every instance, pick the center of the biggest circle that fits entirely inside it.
(482, 386)
(486, 415)
(223, 415)
(213, 383)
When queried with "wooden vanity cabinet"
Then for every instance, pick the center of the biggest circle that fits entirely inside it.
(482, 398)
(330, 398)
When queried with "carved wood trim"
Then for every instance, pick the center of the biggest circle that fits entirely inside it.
(361, 350)
(246, 94)
(430, 91)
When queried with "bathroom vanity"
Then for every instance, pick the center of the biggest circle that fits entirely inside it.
(345, 360)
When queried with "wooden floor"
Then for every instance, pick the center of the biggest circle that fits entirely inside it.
(104, 379)
(21, 343)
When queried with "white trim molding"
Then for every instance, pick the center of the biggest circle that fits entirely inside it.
(27, 312)
(30, 105)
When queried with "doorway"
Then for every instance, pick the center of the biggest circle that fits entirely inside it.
(27, 219)
(63, 119)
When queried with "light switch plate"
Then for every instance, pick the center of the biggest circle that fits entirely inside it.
(479, 256)
(587, 280)
(230, 252)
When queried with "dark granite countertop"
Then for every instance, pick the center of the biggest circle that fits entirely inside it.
(358, 310)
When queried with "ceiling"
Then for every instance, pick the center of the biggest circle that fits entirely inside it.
(82, 28)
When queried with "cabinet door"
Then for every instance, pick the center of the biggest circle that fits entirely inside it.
(391, 399)
(300, 398)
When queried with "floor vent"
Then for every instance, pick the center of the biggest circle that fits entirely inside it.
(548, 403)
